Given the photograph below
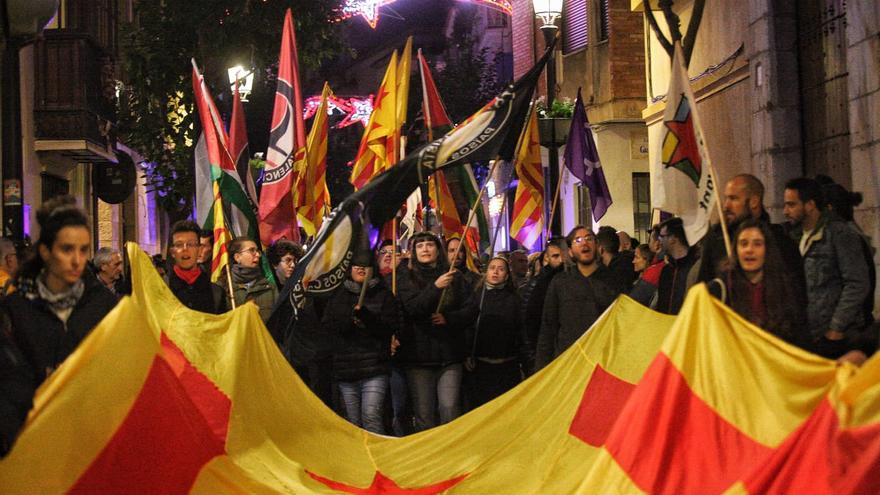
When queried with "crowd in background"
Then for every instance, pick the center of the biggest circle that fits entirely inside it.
(415, 337)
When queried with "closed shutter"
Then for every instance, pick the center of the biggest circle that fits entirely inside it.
(574, 26)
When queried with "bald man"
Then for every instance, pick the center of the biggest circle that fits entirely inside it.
(743, 199)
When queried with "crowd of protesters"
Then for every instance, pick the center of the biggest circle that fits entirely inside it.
(414, 337)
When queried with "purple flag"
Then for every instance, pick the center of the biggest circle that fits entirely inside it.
(582, 159)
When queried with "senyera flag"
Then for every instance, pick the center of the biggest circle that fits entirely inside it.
(682, 182)
(528, 205)
(379, 146)
(313, 179)
(492, 132)
(287, 146)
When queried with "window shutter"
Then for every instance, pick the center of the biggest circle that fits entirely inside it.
(574, 26)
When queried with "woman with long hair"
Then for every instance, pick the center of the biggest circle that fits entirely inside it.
(55, 306)
(757, 287)
(496, 338)
(431, 348)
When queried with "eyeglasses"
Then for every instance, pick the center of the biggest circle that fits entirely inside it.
(182, 246)
(251, 251)
(288, 261)
(583, 239)
(383, 252)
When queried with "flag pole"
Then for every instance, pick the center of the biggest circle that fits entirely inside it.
(714, 177)
(229, 285)
(394, 257)
(555, 203)
(364, 285)
(470, 219)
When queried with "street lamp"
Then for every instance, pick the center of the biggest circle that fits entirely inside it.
(245, 79)
(548, 11)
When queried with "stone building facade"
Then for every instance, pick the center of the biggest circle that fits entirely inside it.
(784, 89)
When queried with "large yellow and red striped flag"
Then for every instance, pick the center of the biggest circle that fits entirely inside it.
(528, 205)
(314, 178)
(163, 399)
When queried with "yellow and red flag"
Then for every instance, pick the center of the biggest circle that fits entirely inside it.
(379, 145)
(444, 204)
(314, 178)
(528, 205)
(163, 399)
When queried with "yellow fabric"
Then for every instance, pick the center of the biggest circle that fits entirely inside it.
(762, 385)
(528, 205)
(220, 256)
(520, 443)
(67, 427)
(278, 429)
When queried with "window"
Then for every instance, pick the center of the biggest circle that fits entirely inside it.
(496, 18)
(574, 26)
(602, 17)
(642, 205)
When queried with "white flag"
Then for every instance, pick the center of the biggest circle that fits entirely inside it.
(681, 180)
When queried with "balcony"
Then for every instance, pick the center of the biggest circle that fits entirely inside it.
(74, 115)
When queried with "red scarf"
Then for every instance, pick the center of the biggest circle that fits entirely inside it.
(189, 276)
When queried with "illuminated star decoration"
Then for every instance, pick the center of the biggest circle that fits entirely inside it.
(383, 485)
(361, 109)
(368, 9)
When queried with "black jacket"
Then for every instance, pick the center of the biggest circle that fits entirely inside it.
(573, 304)
(17, 387)
(622, 269)
(201, 296)
(422, 343)
(673, 282)
(501, 333)
(362, 351)
(44, 340)
(533, 302)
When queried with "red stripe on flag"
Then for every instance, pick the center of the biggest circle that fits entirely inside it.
(210, 400)
(821, 459)
(669, 441)
(161, 445)
(604, 398)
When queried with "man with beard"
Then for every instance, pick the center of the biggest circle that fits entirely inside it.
(744, 199)
(576, 298)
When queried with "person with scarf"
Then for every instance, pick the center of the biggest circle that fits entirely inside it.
(431, 348)
(648, 268)
(56, 305)
(496, 341)
(362, 356)
(187, 281)
(248, 281)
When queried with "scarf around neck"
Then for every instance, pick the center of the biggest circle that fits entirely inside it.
(189, 276)
(244, 275)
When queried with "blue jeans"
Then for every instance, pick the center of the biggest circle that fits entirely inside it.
(364, 402)
(435, 388)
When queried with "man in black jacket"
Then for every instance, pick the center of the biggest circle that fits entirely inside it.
(680, 259)
(576, 298)
(618, 263)
(743, 199)
(187, 281)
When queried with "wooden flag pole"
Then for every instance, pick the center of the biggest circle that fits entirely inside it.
(367, 277)
(714, 178)
(229, 283)
(470, 219)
